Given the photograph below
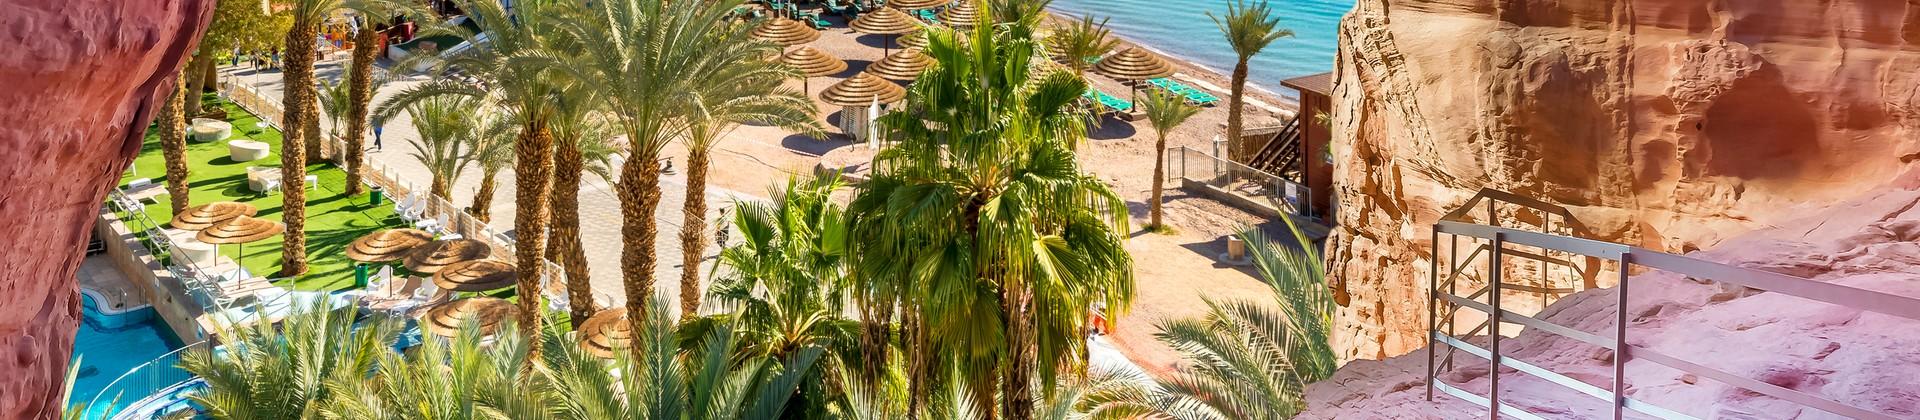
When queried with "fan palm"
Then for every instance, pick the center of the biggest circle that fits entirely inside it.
(269, 371)
(491, 139)
(1249, 28)
(443, 146)
(1166, 112)
(173, 144)
(981, 221)
(1082, 44)
(529, 94)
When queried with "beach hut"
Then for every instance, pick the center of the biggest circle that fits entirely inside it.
(1134, 66)
(856, 96)
(887, 21)
(903, 67)
(1316, 97)
(812, 63)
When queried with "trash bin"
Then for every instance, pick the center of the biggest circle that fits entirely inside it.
(360, 270)
(375, 196)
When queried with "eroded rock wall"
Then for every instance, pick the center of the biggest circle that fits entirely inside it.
(1670, 124)
(79, 82)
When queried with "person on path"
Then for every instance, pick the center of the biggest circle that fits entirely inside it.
(376, 133)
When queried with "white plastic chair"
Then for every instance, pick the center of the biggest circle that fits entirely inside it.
(313, 182)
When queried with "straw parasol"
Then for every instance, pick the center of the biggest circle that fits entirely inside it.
(916, 4)
(886, 21)
(914, 40)
(445, 320)
(475, 276)
(387, 245)
(963, 15)
(905, 66)
(785, 32)
(205, 216)
(434, 256)
(240, 230)
(861, 89)
(606, 332)
(812, 63)
(1134, 65)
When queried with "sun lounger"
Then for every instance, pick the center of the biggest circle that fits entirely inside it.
(1193, 96)
(1110, 102)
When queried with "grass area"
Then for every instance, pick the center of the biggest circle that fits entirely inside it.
(333, 219)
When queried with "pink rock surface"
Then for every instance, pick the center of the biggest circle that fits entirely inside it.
(79, 82)
(1864, 359)
(1670, 124)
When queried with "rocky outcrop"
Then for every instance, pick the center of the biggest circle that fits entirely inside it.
(1669, 124)
(79, 82)
(1864, 359)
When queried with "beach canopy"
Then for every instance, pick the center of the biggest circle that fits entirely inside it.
(885, 21)
(475, 276)
(485, 312)
(606, 332)
(1134, 64)
(240, 230)
(205, 216)
(914, 40)
(812, 62)
(916, 4)
(905, 66)
(861, 89)
(786, 32)
(433, 256)
(387, 245)
(963, 15)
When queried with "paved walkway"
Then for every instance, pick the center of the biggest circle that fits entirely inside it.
(599, 207)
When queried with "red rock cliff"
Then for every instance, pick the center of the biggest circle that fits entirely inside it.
(1669, 124)
(79, 82)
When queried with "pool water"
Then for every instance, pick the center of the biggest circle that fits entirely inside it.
(108, 345)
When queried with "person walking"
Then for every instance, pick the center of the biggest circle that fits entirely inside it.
(376, 134)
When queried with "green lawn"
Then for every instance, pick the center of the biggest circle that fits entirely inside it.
(333, 218)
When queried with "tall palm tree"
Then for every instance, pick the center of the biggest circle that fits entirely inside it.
(1166, 112)
(443, 146)
(298, 110)
(173, 144)
(981, 220)
(1249, 28)
(491, 139)
(583, 144)
(743, 87)
(529, 93)
(282, 371)
(361, 80)
(1082, 44)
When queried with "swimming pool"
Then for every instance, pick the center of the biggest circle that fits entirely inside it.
(110, 343)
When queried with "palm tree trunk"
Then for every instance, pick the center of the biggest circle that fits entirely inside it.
(566, 249)
(173, 142)
(482, 207)
(1016, 381)
(196, 81)
(533, 176)
(314, 138)
(914, 341)
(639, 191)
(439, 188)
(693, 231)
(1235, 101)
(1159, 179)
(360, 93)
(293, 157)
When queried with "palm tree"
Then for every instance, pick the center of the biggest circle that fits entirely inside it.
(332, 97)
(173, 143)
(1082, 44)
(491, 140)
(361, 80)
(529, 93)
(984, 225)
(1249, 28)
(298, 110)
(443, 146)
(458, 378)
(1166, 112)
(583, 145)
(282, 371)
(744, 87)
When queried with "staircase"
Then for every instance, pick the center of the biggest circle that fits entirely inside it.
(1281, 155)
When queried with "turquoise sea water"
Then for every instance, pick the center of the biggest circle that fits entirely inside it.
(1181, 28)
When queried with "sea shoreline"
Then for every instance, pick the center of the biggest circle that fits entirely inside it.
(1186, 66)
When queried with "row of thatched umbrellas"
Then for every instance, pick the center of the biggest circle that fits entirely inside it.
(227, 222)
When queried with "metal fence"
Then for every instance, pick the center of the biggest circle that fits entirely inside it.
(1500, 244)
(1222, 176)
(143, 381)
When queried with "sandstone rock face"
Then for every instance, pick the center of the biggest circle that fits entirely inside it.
(79, 82)
(1669, 124)
(1864, 359)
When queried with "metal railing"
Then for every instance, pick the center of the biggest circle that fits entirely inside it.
(1229, 177)
(143, 381)
(1504, 242)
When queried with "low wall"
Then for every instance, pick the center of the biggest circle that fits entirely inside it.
(163, 291)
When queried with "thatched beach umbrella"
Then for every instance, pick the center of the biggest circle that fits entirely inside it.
(205, 216)
(387, 245)
(857, 93)
(433, 256)
(812, 63)
(785, 32)
(918, 39)
(487, 313)
(886, 21)
(475, 276)
(606, 333)
(916, 4)
(905, 66)
(1134, 65)
(963, 15)
(240, 230)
